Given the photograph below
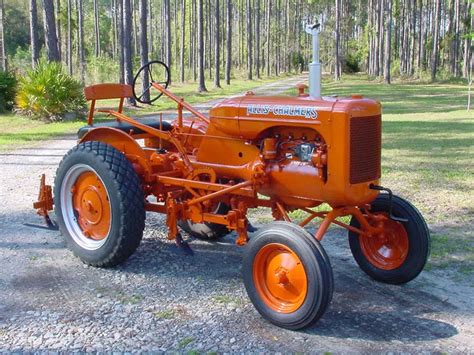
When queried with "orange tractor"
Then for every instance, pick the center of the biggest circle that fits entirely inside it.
(205, 173)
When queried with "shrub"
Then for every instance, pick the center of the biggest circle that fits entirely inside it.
(351, 64)
(102, 70)
(47, 92)
(7, 90)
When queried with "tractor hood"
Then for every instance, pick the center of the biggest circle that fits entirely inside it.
(247, 116)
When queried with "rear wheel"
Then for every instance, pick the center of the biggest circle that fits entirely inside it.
(398, 253)
(287, 275)
(99, 204)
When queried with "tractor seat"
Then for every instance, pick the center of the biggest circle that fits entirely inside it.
(126, 127)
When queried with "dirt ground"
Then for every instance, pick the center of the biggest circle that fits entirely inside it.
(162, 300)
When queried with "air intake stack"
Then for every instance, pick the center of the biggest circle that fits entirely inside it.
(315, 65)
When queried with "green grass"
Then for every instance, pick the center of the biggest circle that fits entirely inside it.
(18, 131)
(166, 314)
(403, 97)
(185, 342)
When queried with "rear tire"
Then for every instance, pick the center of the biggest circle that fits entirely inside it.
(207, 230)
(99, 204)
(287, 275)
(398, 255)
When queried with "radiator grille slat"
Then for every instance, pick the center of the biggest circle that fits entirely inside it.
(365, 148)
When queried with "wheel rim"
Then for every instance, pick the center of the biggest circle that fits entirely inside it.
(85, 207)
(388, 249)
(280, 278)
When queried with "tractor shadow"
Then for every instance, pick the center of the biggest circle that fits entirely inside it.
(367, 310)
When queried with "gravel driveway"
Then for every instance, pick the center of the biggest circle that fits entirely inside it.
(162, 300)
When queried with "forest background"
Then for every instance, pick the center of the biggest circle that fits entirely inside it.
(207, 41)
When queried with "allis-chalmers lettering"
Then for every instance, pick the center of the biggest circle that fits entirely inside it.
(283, 110)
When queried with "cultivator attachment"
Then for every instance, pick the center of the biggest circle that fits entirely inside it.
(45, 202)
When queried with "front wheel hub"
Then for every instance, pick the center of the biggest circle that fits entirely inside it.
(387, 249)
(280, 278)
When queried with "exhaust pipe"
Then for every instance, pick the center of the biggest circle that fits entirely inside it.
(315, 65)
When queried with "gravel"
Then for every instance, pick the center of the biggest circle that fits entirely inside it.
(161, 300)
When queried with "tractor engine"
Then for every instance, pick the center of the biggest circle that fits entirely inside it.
(313, 149)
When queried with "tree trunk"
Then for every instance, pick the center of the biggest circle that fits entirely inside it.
(69, 37)
(80, 40)
(34, 38)
(168, 32)
(228, 63)
(455, 67)
(183, 33)
(144, 48)
(96, 29)
(58, 26)
(257, 38)
(195, 44)
(176, 42)
(269, 8)
(200, 15)
(3, 56)
(249, 41)
(420, 35)
(467, 40)
(337, 70)
(381, 38)
(151, 44)
(208, 39)
(127, 45)
(120, 40)
(434, 54)
(388, 43)
(50, 36)
(278, 38)
(217, 57)
(134, 30)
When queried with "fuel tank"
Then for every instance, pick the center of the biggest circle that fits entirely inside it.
(348, 128)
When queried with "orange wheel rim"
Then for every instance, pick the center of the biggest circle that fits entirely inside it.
(280, 278)
(388, 249)
(91, 205)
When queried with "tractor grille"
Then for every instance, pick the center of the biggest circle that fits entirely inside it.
(365, 148)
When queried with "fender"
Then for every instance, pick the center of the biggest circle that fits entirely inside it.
(123, 143)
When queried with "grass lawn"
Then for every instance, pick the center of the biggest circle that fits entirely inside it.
(17, 131)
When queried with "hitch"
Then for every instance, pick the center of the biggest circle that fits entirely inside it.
(390, 201)
(45, 202)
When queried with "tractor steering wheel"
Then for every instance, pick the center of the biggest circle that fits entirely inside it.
(152, 72)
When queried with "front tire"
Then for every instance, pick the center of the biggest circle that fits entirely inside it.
(399, 253)
(99, 204)
(287, 275)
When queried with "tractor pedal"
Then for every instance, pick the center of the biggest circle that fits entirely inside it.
(183, 246)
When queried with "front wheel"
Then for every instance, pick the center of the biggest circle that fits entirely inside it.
(398, 253)
(287, 275)
(99, 204)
